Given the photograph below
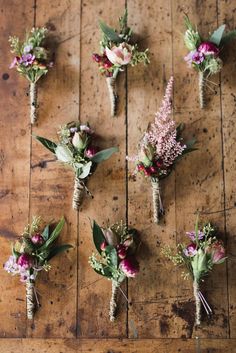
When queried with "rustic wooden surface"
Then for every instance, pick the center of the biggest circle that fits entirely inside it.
(75, 301)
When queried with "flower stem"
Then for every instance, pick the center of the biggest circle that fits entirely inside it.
(78, 194)
(197, 303)
(30, 304)
(111, 84)
(113, 304)
(156, 199)
(201, 89)
(33, 102)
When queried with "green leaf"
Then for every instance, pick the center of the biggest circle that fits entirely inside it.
(228, 37)
(98, 237)
(50, 145)
(110, 33)
(107, 272)
(45, 233)
(85, 170)
(54, 235)
(64, 154)
(217, 35)
(58, 249)
(104, 154)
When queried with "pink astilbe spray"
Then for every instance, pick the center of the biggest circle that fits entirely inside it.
(162, 134)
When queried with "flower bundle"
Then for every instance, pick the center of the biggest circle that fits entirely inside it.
(116, 246)
(116, 52)
(204, 54)
(76, 149)
(31, 254)
(199, 258)
(160, 148)
(31, 61)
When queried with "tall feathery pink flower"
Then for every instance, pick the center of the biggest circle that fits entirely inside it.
(162, 133)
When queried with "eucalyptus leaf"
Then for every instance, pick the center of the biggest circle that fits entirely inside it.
(64, 154)
(85, 170)
(104, 154)
(110, 33)
(50, 145)
(58, 249)
(217, 35)
(98, 237)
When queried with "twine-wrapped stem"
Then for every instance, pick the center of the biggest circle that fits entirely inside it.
(113, 304)
(156, 199)
(111, 84)
(30, 300)
(33, 102)
(201, 82)
(197, 303)
(78, 193)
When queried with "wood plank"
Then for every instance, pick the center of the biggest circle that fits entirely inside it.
(51, 182)
(117, 346)
(153, 292)
(14, 163)
(199, 178)
(227, 15)
(108, 183)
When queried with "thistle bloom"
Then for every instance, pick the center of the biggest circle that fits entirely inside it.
(208, 48)
(25, 261)
(129, 266)
(120, 55)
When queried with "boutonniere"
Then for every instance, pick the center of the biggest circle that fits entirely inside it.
(199, 257)
(31, 254)
(31, 61)
(76, 148)
(204, 55)
(115, 259)
(160, 149)
(116, 52)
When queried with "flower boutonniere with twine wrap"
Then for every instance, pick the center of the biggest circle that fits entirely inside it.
(76, 149)
(31, 254)
(116, 246)
(199, 258)
(204, 55)
(31, 61)
(160, 149)
(116, 52)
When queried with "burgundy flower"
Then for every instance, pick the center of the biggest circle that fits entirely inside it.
(96, 58)
(37, 239)
(217, 252)
(25, 261)
(208, 48)
(91, 151)
(121, 251)
(190, 250)
(129, 266)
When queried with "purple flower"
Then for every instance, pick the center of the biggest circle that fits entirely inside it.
(73, 129)
(86, 129)
(129, 266)
(190, 250)
(208, 48)
(198, 57)
(27, 48)
(25, 261)
(27, 59)
(192, 235)
(11, 266)
(189, 57)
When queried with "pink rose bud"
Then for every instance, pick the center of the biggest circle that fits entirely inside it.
(121, 251)
(217, 252)
(103, 246)
(91, 151)
(208, 48)
(25, 261)
(129, 266)
(120, 55)
(37, 239)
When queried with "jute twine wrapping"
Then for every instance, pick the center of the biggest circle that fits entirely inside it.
(111, 84)
(113, 304)
(30, 300)
(201, 82)
(197, 303)
(78, 194)
(156, 199)
(33, 102)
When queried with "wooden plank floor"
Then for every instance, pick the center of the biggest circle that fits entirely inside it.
(74, 312)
